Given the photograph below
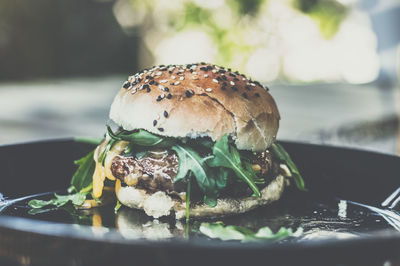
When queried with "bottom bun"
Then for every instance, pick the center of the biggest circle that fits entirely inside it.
(160, 204)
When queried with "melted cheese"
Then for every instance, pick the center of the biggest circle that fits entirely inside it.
(101, 172)
(117, 186)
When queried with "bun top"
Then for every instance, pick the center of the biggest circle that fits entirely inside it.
(197, 100)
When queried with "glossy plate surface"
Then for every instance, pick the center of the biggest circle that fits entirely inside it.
(335, 229)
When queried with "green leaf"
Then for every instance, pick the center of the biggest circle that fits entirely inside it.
(231, 232)
(88, 140)
(103, 155)
(226, 155)
(83, 175)
(282, 155)
(59, 200)
(191, 161)
(117, 206)
(142, 138)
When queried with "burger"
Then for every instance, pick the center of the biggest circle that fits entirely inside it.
(194, 140)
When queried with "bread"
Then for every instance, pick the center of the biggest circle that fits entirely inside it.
(198, 100)
(160, 204)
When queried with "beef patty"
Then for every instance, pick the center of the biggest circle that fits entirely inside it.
(157, 169)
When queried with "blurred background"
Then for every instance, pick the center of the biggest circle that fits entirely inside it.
(332, 65)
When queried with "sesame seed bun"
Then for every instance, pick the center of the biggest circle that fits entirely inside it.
(198, 100)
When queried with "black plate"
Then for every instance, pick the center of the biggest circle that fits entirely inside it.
(335, 230)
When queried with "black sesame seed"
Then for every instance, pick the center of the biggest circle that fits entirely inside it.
(149, 77)
(164, 69)
(126, 85)
(229, 69)
(188, 66)
(203, 68)
(148, 89)
(257, 94)
(162, 65)
(232, 75)
(189, 93)
(266, 88)
(224, 84)
(191, 70)
(151, 82)
(209, 67)
(166, 89)
(219, 78)
(224, 77)
(248, 88)
(165, 114)
(236, 79)
(202, 63)
(244, 95)
(237, 72)
(159, 98)
(146, 86)
(160, 129)
(154, 123)
(169, 96)
(170, 72)
(234, 88)
(223, 87)
(221, 71)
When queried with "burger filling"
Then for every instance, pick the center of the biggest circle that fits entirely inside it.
(156, 171)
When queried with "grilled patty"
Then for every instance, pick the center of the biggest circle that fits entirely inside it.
(157, 169)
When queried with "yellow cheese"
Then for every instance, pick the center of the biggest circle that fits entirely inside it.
(117, 149)
(101, 172)
(117, 185)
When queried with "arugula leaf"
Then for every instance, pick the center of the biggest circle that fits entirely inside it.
(117, 206)
(226, 155)
(88, 140)
(103, 155)
(59, 200)
(191, 161)
(231, 232)
(142, 138)
(83, 175)
(282, 155)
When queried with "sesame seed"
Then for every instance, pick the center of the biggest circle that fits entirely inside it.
(236, 79)
(177, 83)
(216, 81)
(206, 75)
(160, 129)
(145, 86)
(189, 93)
(162, 96)
(252, 84)
(182, 78)
(126, 84)
(166, 89)
(159, 98)
(223, 77)
(163, 81)
(154, 123)
(158, 73)
(248, 88)
(214, 71)
(148, 89)
(169, 96)
(208, 90)
(194, 73)
(257, 94)
(195, 77)
(147, 80)
(165, 114)
(232, 75)
(232, 83)
(223, 87)
(161, 87)
(244, 95)
(173, 77)
(203, 68)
